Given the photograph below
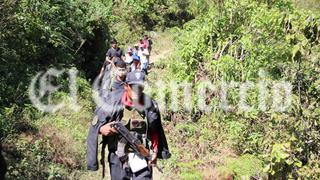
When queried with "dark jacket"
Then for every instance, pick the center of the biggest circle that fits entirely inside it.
(112, 110)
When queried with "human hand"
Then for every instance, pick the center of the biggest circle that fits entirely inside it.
(107, 130)
(153, 160)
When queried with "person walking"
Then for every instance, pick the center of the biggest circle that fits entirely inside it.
(134, 107)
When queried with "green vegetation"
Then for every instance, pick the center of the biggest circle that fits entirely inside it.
(245, 41)
(245, 166)
(312, 5)
(228, 40)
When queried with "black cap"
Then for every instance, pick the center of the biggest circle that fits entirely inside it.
(136, 77)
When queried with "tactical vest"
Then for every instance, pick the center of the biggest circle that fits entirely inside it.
(137, 124)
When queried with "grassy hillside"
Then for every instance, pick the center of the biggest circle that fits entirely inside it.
(312, 5)
(245, 44)
(228, 41)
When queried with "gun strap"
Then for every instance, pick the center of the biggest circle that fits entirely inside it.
(102, 160)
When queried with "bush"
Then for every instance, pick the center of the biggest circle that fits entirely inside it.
(233, 42)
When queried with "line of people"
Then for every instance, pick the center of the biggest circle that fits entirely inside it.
(136, 59)
(139, 56)
(123, 77)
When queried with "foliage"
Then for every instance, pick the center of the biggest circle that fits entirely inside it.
(243, 167)
(36, 35)
(47, 145)
(132, 18)
(229, 40)
(233, 43)
(40, 34)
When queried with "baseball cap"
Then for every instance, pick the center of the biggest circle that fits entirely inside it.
(135, 77)
(136, 57)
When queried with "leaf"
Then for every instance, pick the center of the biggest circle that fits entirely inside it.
(295, 51)
(298, 164)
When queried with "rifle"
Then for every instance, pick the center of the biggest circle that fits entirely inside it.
(133, 141)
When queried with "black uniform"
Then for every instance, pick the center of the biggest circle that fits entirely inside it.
(112, 110)
(114, 53)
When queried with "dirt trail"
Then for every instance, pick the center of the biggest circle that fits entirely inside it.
(162, 48)
(163, 54)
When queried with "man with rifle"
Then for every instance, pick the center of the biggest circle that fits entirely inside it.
(131, 155)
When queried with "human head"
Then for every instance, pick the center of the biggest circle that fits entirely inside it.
(120, 65)
(136, 61)
(135, 84)
(141, 46)
(114, 43)
(129, 51)
(136, 46)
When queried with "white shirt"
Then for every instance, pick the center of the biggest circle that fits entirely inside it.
(143, 55)
(128, 59)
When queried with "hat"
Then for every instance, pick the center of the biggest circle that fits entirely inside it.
(136, 57)
(136, 45)
(129, 49)
(135, 77)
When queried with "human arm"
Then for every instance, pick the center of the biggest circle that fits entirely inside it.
(154, 147)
